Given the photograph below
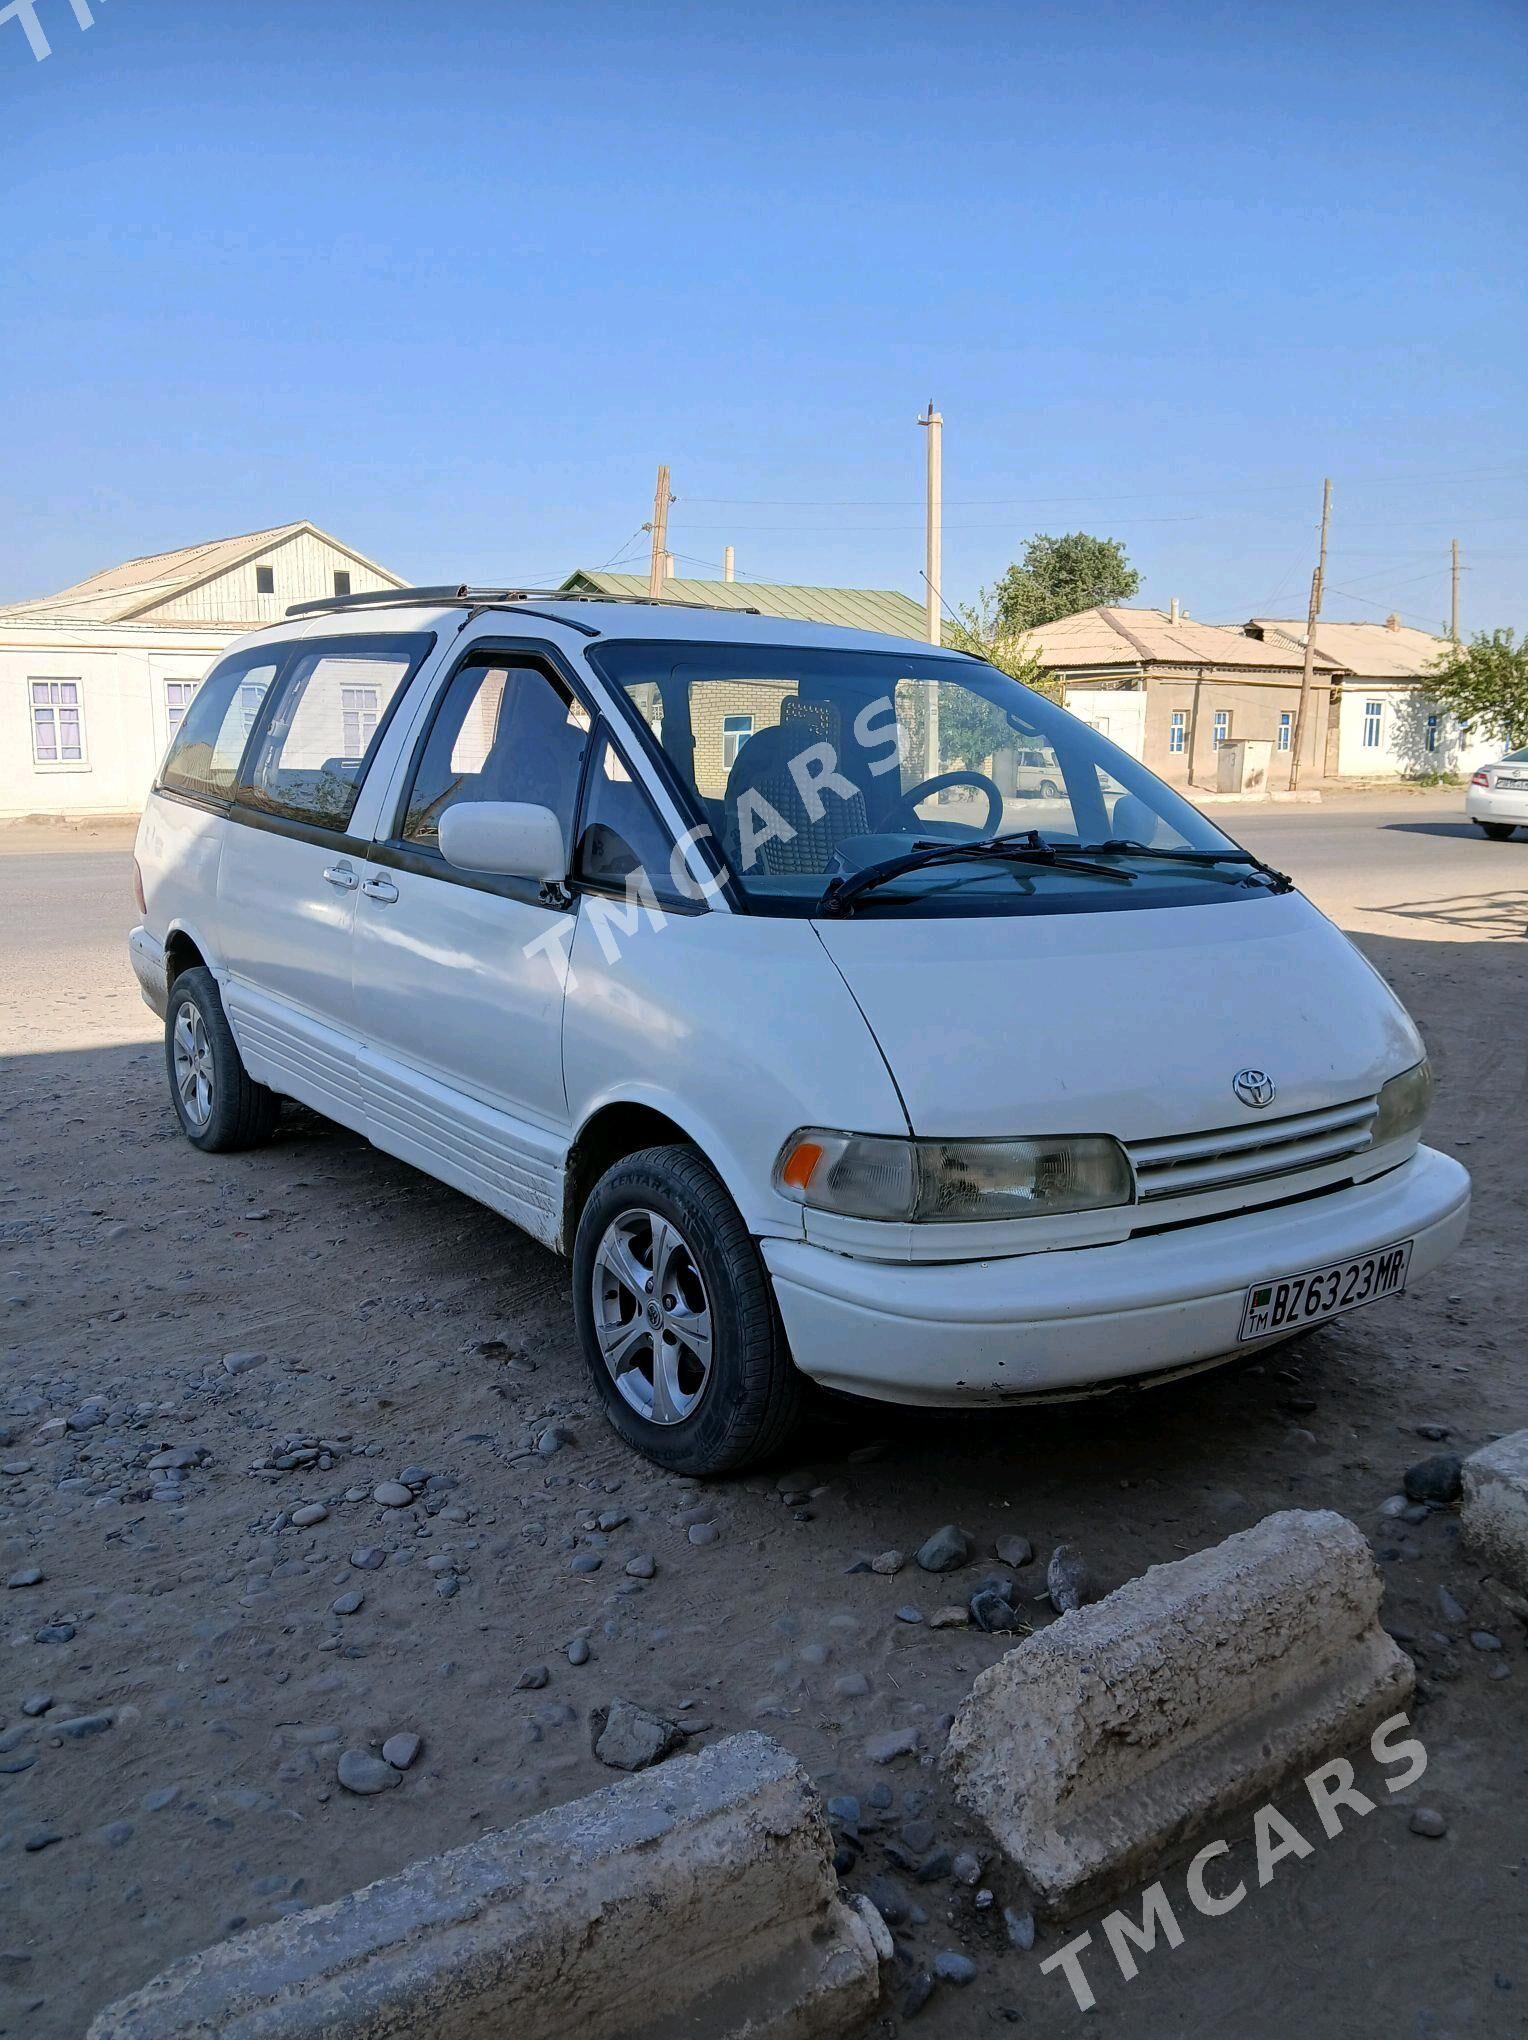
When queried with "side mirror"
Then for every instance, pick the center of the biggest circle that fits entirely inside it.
(507, 838)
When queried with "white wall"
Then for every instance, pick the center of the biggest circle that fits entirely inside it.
(1118, 715)
(304, 569)
(1402, 750)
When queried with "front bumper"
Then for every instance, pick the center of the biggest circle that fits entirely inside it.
(1065, 1322)
(149, 968)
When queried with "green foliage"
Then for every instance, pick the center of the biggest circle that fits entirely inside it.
(1059, 576)
(1486, 683)
(982, 632)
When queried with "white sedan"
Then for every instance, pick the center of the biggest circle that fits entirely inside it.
(1497, 796)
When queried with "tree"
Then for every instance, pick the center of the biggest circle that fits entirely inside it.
(1059, 576)
(1486, 683)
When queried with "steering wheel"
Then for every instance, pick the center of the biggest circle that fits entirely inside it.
(904, 815)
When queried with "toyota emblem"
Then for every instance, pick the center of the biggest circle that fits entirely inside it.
(1255, 1088)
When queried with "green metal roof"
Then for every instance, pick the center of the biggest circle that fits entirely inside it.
(879, 609)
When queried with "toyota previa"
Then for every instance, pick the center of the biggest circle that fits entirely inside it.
(750, 964)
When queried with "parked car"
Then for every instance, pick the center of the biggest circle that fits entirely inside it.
(1038, 773)
(812, 1080)
(1496, 799)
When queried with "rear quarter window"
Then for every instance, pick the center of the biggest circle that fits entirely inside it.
(204, 755)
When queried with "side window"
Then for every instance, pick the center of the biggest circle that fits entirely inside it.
(209, 739)
(622, 832)
(503, 732)
(312, 753)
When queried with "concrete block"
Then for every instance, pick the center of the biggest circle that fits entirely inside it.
(1494, 1511)
(1103, 1742)
(696, 1898)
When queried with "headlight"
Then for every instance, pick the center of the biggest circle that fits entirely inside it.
(1403, 1104)
(949, 1182)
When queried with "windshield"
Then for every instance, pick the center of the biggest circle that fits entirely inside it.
(811, 766)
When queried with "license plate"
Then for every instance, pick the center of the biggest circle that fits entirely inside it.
(1511, 785)
(1309, 1299)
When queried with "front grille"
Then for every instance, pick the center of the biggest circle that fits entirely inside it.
(1184, 1163)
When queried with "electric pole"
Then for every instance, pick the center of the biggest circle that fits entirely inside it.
(659, 530)
(933, 572)
(1453, 625)
(729, 565)
(1317, 585)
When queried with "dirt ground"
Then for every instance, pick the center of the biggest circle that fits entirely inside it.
(405, 1330)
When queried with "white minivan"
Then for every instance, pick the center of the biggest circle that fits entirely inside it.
(707, 948)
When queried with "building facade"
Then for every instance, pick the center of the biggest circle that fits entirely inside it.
(94, 680)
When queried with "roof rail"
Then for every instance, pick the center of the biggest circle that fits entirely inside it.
(464, 596)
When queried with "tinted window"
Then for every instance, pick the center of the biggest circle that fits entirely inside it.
(622, 832)
(312, 752)
(503, 732)
(204, 756)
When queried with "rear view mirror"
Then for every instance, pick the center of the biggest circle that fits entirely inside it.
(506, 838)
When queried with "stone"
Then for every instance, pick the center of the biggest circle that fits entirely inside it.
(1484, 1639)
(966, 1868)
(1014, 1551)
(642, 1567)
(1103, 1742)
(1426, 1821)
(1494, 1514)
(953, 1617)
(349, 1603)
(82, 1725)
(578, 1651)
(402, 1749)
(953, 1967)
(1436, 1480)
(369, 1558)
(361, 1772)
(891, 1744)
(851, 1686)
(392, 1494)
(28, 1576)
(532, 1679)
(313, 1512)
(703, 1533)
(630, 1738)
(1067, 1579)
(887, 1563)
(908, 1613)
(993, 1612)
(586, 1562)
(947, 1549)
(699, 1900)
(241, 1363)
(1020, 1928)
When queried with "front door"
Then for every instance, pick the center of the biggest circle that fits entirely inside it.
(458, 1012)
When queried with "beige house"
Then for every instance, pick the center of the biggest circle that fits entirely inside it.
(1172, 691)
(94, 680)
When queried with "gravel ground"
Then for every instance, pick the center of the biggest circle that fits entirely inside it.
(214, 1368)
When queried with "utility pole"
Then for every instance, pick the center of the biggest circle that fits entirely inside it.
(1453, 624)
(1317, 585)
(729, 565)
(659, 530)
(933, 572)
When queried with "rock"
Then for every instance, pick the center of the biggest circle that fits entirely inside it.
(241, 1363)
(1484, 1640)
(887, 1563)
(554, 1440)
(1436, 1433)
(1395, 1505)
(1426, 1821)
(1020, 1928)
(54, 1632)
(1067, 1579)
(1507, 1597)
(348, 1604)
(966, 1868)
(532, 1679)
(578, 1651)
(401, 1750)
(1494, 1519)
(15, 1467)
(369, 1558)
(991, 1612)
(361, 1772)
(613, 1519)
(83, 1725)
(1438, 1481)
(844, 1810)
(630, 1738)
(40, 1839)
(586, 1562)
(1450, 1607)
(920, 1988)
(313, 1512)
(952, 1967)
(908, 1613)
(851, 1686)
(162, 1797)
(28, 1576)
(392, 1494)
(34, 1704)
(945, 1550)
(642, 1567)
(890, 1744)
(703, 1533)
(953, 1617)
(1014, 1551)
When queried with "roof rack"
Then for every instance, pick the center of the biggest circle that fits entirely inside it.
(464, 596)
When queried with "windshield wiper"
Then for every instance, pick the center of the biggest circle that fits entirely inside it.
(1028, 847)
(1122, 846)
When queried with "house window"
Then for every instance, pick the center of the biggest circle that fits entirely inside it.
(358, 719)
(178, 697)
(1222, 727)
(265, 580)
(251, 694)
(1374, 716)
(1177, 735)
(342, 584)
(1286, 728)
(1431, 738)
(736, 730)
(58, 726)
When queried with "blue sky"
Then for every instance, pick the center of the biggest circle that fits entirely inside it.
(451, 278)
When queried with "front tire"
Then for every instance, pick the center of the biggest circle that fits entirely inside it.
(220, 1107)
(1497, 831)
(677, 1319)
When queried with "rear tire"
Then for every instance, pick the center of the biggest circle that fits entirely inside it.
(1049, 790)
(677, 1318)
(220, 1107)
(1498, 831)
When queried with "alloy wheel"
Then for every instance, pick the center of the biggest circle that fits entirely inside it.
(652, 1316)
(193, 1065)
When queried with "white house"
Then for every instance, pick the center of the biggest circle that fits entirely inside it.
(1385, 724)
(94, 680)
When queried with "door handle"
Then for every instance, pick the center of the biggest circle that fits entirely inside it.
(380, 889)
(342, 876)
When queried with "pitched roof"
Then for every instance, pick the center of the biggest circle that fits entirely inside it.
(139, 586)
(1372, 651)
(1114, 637)
(878, 609)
